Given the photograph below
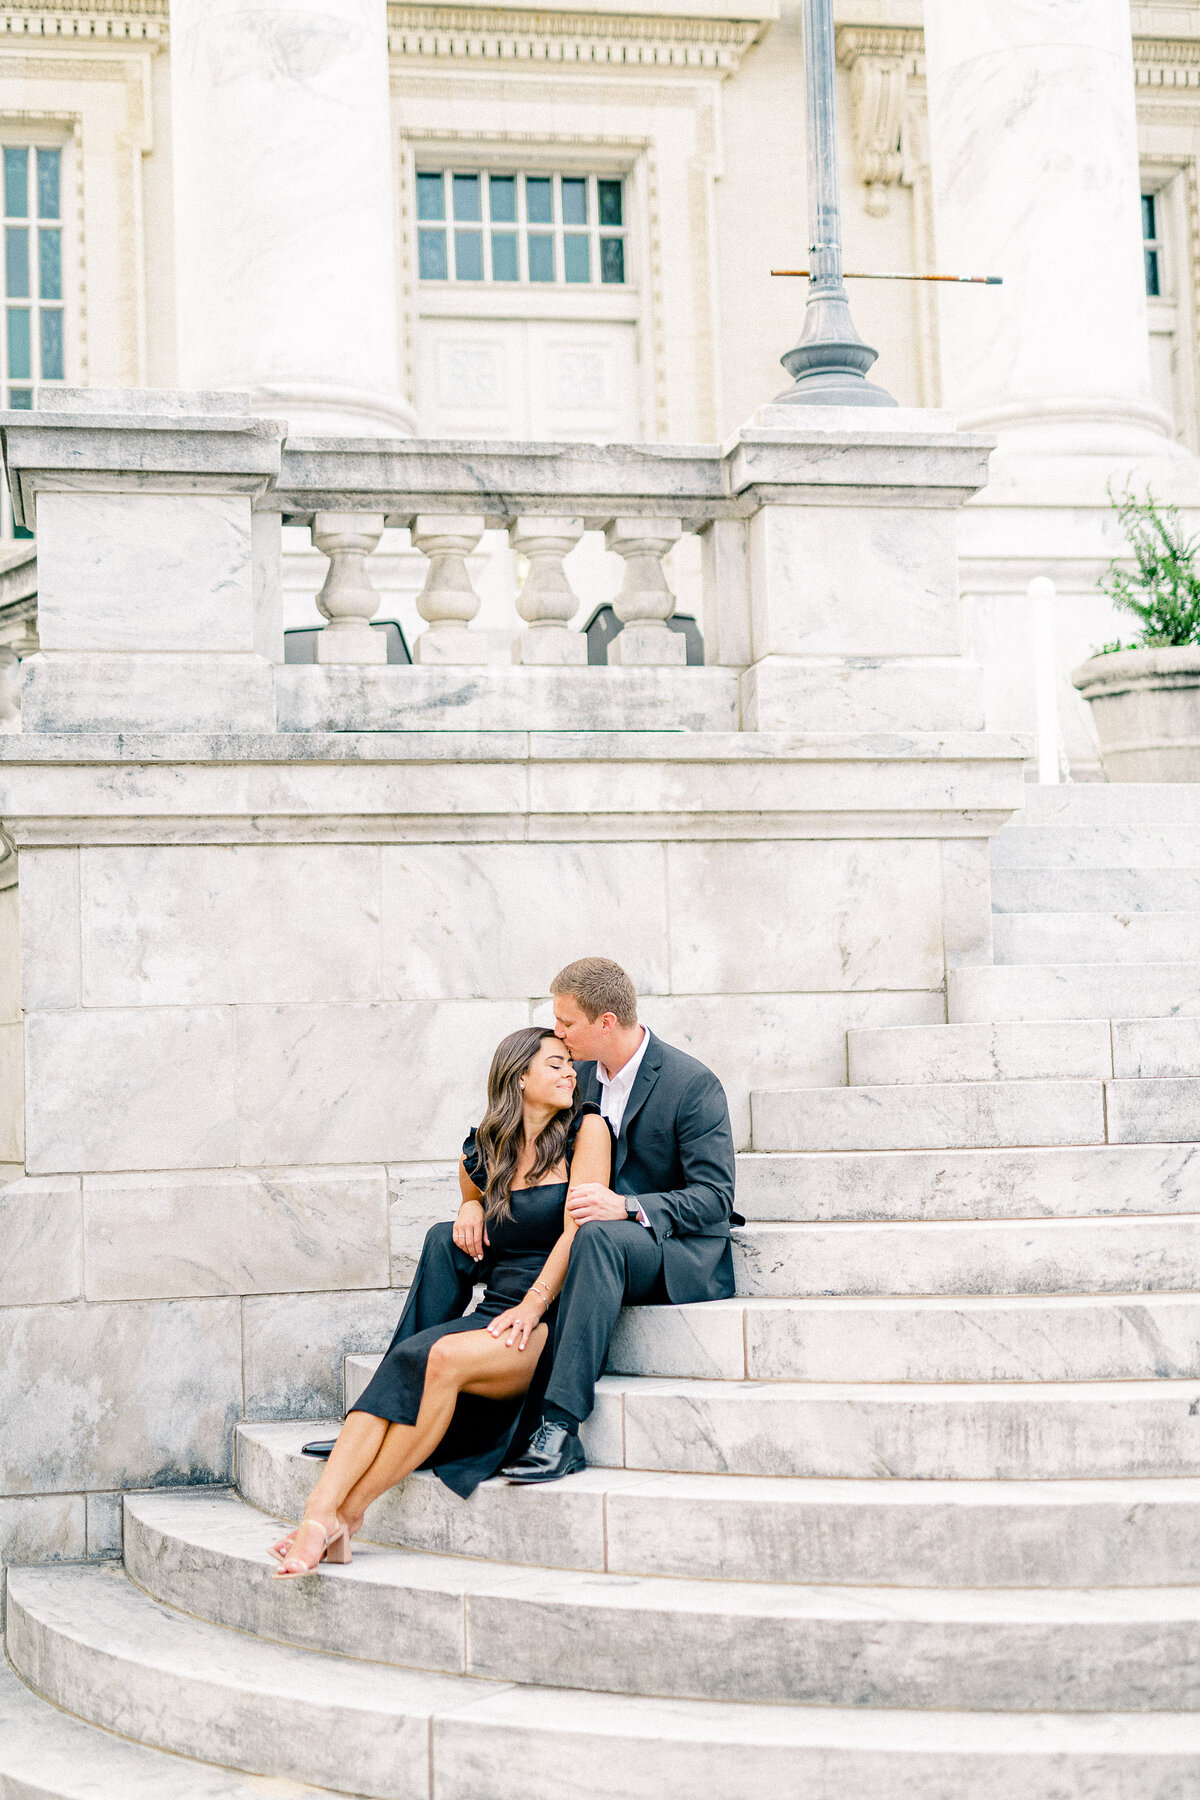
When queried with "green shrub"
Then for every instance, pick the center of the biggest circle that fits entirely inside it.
(1163, 589)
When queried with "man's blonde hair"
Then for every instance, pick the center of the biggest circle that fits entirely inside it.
(600, 986)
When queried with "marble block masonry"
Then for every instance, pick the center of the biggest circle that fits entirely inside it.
(274, 919)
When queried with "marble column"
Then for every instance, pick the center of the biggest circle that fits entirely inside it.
(285, 210)
(1035, 177)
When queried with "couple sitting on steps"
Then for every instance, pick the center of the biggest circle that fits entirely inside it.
(601, 1176)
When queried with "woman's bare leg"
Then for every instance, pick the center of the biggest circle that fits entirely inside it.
(356, 1448)
(468, 1363)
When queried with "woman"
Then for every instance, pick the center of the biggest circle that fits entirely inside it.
(452, 1393)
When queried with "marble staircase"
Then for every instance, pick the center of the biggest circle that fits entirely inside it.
(916, 1514)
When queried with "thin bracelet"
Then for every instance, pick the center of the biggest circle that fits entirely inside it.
(537, 1288)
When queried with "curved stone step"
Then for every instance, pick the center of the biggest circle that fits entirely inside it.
(1073, 991)
(853, 1186)
(1096, 937)
(758, 1528)
(1007, 1432)
(1133, 1255)
(1105, 890)
(971, 1337)
(1013, 1431)
(45, 1754)
(1036, 1050)
(93, 1638)
(88, 1640)
(1019, 1651)
(931, 1115)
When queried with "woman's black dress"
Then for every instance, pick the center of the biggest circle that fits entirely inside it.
(482, 1432)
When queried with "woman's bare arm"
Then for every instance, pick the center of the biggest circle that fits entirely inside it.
(470, 1232)
(593, 1161)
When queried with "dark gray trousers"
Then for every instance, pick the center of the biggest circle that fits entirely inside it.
(613, 1264)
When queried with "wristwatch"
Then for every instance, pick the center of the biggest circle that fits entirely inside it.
(632, 1209)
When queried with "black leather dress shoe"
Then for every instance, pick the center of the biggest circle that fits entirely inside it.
(551, 1453)
(321, 1447)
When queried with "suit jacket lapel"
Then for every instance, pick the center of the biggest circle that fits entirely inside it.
(643, 1085)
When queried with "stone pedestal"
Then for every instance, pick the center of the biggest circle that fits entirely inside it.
(285, 210)
(856, 623)
(153, 611)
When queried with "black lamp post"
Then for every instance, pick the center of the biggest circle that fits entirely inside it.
(830, 362)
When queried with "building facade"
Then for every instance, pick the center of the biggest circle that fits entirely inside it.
(551, 223)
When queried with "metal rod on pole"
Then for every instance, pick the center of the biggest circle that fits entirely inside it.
(830, 362)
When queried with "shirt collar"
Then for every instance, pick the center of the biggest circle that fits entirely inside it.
(629, 1071)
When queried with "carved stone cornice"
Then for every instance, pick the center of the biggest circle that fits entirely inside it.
(117, 22)
(1167, 62)
(854, 41)
(882, 60)
(463, 34)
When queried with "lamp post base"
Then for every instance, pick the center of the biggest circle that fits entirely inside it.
(834, 387)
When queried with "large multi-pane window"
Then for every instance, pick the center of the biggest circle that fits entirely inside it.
(519, 228)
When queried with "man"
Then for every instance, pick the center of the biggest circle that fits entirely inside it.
(661, 1233)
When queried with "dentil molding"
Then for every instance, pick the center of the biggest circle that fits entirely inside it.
(472, 34)
(120, 21)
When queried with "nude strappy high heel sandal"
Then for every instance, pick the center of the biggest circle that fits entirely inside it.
(336, 1549)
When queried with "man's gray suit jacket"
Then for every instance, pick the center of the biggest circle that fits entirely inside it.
(675, 1154)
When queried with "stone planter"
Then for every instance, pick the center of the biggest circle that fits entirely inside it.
(1146, 709)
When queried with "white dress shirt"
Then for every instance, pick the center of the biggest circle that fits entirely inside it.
(614, 1095)
(616, 1089)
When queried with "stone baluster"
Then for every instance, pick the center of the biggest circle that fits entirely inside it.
(547, 600)
(448, 601)
(645, 601)
(348, 599)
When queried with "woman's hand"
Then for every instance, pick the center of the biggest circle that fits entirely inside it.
(517, 1325)
(470, 1232)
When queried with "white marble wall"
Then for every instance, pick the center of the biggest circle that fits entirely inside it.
(250, 1067)
(201, 1006)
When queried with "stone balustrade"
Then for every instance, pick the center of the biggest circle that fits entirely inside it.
(830, 598)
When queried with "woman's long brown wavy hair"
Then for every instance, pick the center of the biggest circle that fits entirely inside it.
(499, 1137)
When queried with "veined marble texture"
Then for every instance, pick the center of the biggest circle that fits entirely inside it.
(38, 1528)
(804, 916)
(41, 1240)
(295, 1346)
(49, 935)
(387, 1082)
(764, 1040)
(233, 1231)
(179, 925)
(144, 572)
(102, 690)
(107, 1397)
(846, 581)
(497, 920)
(130, 1088)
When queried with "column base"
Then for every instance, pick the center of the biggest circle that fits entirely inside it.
(643, 646)
(362, 646)
(451, 644)
(544, 646)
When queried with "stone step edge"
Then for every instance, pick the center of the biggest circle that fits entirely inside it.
(46, 1751)
(744, 1727)
(282, 1440)
(396, 1570)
